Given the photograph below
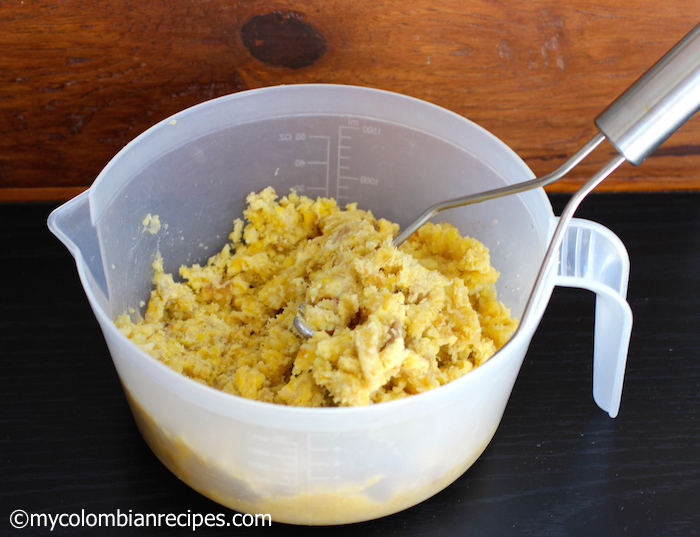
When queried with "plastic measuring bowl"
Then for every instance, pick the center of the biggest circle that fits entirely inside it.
(391, 154)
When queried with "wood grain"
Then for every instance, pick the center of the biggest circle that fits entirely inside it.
(81, 78)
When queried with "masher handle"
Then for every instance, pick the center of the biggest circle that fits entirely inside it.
(657, 104)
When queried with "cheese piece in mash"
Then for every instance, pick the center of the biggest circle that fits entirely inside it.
(388, 322)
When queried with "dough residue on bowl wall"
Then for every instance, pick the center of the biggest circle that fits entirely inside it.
(388, 322)
(151, 223)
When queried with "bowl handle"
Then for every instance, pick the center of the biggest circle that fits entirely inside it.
(592, 257)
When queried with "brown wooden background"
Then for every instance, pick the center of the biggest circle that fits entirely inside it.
(80, 78)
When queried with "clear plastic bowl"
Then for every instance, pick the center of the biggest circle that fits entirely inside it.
(390, 153)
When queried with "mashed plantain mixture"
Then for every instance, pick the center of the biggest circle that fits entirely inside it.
(388, 322)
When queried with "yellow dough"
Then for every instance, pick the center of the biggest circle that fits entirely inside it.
(388, 322)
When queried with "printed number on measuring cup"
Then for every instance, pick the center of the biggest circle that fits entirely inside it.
(288, 137)
(369, 180)
(369, 129)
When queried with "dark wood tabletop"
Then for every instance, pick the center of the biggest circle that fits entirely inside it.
(557, 466)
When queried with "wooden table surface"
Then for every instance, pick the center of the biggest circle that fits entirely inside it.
(557, 466)
(81, 78)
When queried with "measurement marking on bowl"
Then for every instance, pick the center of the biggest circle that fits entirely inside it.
(277, 461)
(322, 458)
(325, 163)
(344, 138)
